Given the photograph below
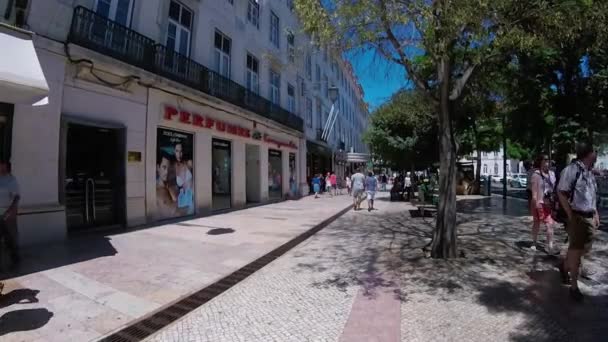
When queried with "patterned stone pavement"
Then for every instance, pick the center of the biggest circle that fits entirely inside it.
(91, 286)
(364, 278)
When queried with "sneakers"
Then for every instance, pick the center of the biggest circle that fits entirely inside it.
(576, 294)
(533, 248)
(563, 273)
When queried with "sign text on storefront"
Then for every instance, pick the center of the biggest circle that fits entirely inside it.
(194, 119)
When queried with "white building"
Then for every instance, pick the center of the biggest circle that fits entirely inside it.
(163, 109)
(492, 164)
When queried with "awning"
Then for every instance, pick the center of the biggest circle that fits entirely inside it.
(357, 157)
(21, 78)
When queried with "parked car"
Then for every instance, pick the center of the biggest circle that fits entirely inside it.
(519, 180)
(496, 178)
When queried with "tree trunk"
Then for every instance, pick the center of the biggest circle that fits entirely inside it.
(443, 244)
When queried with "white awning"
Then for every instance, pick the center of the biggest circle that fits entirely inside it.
(357, 157)
(21, 78)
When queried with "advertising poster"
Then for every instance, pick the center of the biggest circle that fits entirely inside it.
(274, 174)
(293, 182)
(174, 180)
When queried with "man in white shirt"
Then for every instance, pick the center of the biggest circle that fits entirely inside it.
(9, 201)
(358, 186)
(577, 191)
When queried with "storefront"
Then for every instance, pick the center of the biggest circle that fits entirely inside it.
(318, 159)
(233, 160)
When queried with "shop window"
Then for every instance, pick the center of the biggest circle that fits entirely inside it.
(485, 169)
(291, 50)
(275, 174)
(6, 125)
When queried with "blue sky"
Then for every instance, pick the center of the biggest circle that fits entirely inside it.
(379, 78)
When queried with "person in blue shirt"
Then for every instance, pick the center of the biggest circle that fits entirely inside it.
(316, 185)
(371, 184)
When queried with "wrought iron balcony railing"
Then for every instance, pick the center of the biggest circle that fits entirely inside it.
(100, 34)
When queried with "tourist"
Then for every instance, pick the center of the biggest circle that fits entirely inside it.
(371, 184)
(9, 203)
(577, 195)
(542, 201)
(334, 182)
(316, 184)
(358, 186)
(348, 185)
(328, 184)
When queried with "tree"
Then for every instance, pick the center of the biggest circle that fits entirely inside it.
(455, 36)
(403, 130)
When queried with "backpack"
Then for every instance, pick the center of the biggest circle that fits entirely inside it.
(558, 212)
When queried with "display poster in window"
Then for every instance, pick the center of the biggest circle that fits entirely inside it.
(174, 174)
(293, 181)
(275, 174)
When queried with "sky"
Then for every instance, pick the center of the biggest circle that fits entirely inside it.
(379, 78)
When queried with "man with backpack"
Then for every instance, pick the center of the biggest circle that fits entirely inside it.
(577, 191)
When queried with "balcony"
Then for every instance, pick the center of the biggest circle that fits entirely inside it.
(100, 34)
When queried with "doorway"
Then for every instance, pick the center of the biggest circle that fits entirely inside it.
(275, 174)
(221, 169)
(93, 187)
(252, 178)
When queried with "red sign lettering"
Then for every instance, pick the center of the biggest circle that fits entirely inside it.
(198, 120)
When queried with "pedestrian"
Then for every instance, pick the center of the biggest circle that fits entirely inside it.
(334, 182)
(542, 201)
(529, 166)
(407, 184)
(358, 186)
(348, 185)
(328, 184)
(577, 191)
(383, 181)
(371, 184)
(9, 202)
(316, 185)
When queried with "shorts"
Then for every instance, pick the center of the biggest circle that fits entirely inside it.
(371, 195)
(543, 215)
(357, 193)
(316, 188)
(580, 232)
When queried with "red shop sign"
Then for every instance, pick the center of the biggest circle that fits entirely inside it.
(194, 119)
(271, 140)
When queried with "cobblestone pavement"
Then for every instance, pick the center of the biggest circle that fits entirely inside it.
(364, 278)
(91, 286)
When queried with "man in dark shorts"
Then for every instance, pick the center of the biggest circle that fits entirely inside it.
(577, 191)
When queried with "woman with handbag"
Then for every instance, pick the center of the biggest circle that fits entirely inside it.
(543, 200)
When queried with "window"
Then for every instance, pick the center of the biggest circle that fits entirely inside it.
(309, 112)
(116, 10)
(179, 28)
(275, 88)
(253, 72)
(325, 55)
(317, 73)
(290, 5)
(485, 169)
(253, 13)
(291, 50)
(291, 98)
(222, 54)
(496, 168)
(6, 116)
(326, 85)
(230, 2)
(308, 67)
(274, 29)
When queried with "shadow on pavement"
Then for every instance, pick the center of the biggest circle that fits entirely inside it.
(383, 252)
(18, 296)
(74, 250)
(24, 320)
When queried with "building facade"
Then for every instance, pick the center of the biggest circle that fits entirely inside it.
(164, 109)
(492, 164)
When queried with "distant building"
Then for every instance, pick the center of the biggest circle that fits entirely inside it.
(492, 164)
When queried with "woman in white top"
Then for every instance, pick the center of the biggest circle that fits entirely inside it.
(542, 186)
(348, 185)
